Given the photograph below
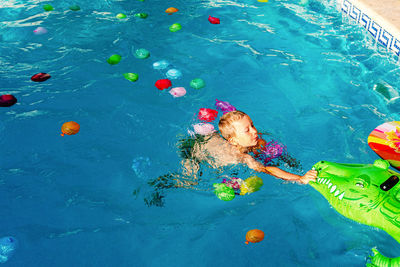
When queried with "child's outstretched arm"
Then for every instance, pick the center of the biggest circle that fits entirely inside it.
(275, 171)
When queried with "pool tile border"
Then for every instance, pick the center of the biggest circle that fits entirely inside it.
(382, 31)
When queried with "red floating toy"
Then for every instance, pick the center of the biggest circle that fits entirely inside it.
(213, 20)
(163, 84)
(40, 77)
(206, 114)
(7, 100)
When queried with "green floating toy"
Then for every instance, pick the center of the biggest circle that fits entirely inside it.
(142, 53)
(48, 7)
(175, 27)
(366, 193)
(133, 77)
(75, 8)
(141, 15)
(197, 83)
(378, 260)
(251, 185)
(224, 192)
(120, 16)
(114, 59)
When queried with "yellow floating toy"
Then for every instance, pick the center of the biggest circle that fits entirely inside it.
(251, 185)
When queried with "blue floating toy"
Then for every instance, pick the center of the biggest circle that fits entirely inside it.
(160, 65)
(174, 74)
(8, 245)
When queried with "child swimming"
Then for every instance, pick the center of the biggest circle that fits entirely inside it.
(236, 141)
(238, 137)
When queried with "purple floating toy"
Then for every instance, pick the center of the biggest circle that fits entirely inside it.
(270, 151)
(7, 100)
(224, 106)
(234, 183)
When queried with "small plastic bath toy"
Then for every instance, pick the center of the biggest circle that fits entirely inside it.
(254, 236)
(251, 185)
(120, 16)
(74, 8)
(142, 53)
(223, 192)
(160, 65)
(114, 59)
(203, 128)
(207, 114)
(48, 7)
(224, 106)
(213, 20)
(70, 128)
(141, 15)
(178, 91)
(40, 31)
(197, 83)
(8, 246)
(173, 74)
(7, 100)
(175, 27)
(163, 84)
(133, 77)
(40, 77)
(171, 10)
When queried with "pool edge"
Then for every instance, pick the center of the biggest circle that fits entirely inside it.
(382, 27)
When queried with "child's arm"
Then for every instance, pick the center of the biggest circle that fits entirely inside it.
(275, 171)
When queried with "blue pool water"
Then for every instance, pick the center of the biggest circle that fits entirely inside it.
(302, 72)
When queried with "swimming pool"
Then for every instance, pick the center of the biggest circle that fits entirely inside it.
(299, 71)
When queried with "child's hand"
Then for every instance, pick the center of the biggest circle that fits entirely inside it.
(309, 176)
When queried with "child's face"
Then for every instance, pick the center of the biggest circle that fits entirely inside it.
(246, 134)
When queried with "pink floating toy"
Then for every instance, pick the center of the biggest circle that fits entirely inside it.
(206, 114)
(203, 128)
(40, 31)
(224, 106)
(163, 84)
(178, 91)
(213, 20)
(7, 100)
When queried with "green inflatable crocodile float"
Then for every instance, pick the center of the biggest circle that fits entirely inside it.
(366, 193)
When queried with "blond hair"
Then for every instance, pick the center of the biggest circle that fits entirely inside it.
(225, 123)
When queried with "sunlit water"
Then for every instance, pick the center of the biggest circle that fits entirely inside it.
(302, 72)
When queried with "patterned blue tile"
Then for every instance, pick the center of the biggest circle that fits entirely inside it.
(396, 47)
(385, 38)
(374, 29)
(346, 6)
(355, 13)
(365, 20)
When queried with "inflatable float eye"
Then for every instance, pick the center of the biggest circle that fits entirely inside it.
(360, 184)
(389, 183)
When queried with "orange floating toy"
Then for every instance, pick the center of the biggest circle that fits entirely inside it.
(171, 10)
(254, 236)
(70, 128)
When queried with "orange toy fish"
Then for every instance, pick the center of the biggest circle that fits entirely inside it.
(70, 128)
(171, 10)
(254, 236)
